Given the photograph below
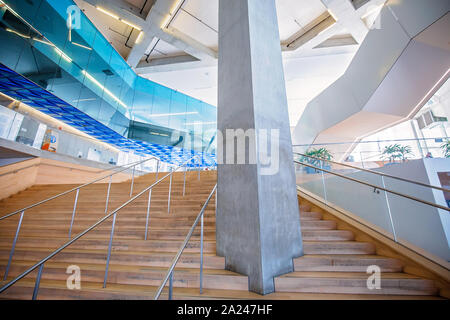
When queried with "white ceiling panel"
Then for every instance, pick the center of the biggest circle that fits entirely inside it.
(294, 15)
(163, 49)
(205, 10)
(196, 29)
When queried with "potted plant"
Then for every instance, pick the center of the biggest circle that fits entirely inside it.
(391, 152)
(404, 152)
(313, 157)
(446, 148)
(396, 151)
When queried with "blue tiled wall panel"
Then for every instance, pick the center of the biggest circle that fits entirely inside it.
(15, 85)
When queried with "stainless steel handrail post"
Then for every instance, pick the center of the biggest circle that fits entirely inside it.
(323, 183)
(132, 181)
(170, 191)
(171, 285)
(199, 171)
(108, 193)
(157, 171)
(183, 246)
(38, 282)
(71, 190)
(109, 250)
(13, 248)
(73, 212)
(184, 182)
(5, 286)
(201, 253)
(148, 213)
(389, 210)
(378, 187)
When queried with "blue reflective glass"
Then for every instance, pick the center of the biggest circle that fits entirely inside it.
(79, 66)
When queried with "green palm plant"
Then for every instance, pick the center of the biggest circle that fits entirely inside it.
(446, 148)
(391, 152)
(397, 151)
(404, 152)
(321, 153)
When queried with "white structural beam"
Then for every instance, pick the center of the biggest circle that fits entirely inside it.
(168, 64)
(345, 14)
(152, 26)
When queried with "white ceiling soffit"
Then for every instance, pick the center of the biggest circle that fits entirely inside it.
(184, 55)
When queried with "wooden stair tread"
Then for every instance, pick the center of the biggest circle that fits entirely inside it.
(333, 266)
(347, 275)
(147, 292)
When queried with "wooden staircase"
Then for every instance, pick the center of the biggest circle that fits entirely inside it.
(333, 267)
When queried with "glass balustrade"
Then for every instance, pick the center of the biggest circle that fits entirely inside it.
(407, 201)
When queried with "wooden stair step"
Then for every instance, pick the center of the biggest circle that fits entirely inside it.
(122, 223)
(318, 225)
(118, 245)
(346, 263)
(304, 208)
(395, 284)
(338, 247)
(104, 233)
(124, 226)
(188, 260)
(311, 215)
(57, 290)
(137, 275)
(327, 235)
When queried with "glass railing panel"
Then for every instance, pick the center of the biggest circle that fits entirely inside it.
(420, 226)
(29, 131)
(360, 199)
(406, 211)
(310, 179)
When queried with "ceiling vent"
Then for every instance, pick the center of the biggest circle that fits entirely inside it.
(429, 120)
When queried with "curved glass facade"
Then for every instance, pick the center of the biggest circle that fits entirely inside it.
(78, 65)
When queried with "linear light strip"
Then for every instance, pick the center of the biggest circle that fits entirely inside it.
(199, 123)
(81, 46)
(139, 37)
(173, 11)
(96, 82)
(112, 15)
(63, 55)
(155, 115)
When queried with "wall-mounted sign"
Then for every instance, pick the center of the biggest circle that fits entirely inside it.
(50, 142)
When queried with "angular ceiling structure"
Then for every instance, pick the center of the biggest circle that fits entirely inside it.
(402, 62)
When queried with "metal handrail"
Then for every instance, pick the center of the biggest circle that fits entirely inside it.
(41, 263)
(375, 186)
(169, 274)
(362, 142)
(375, 172)
(132, 165)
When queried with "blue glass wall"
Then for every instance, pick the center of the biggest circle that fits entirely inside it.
(79, 66)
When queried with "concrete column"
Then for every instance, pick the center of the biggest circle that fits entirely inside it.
(258, 223)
